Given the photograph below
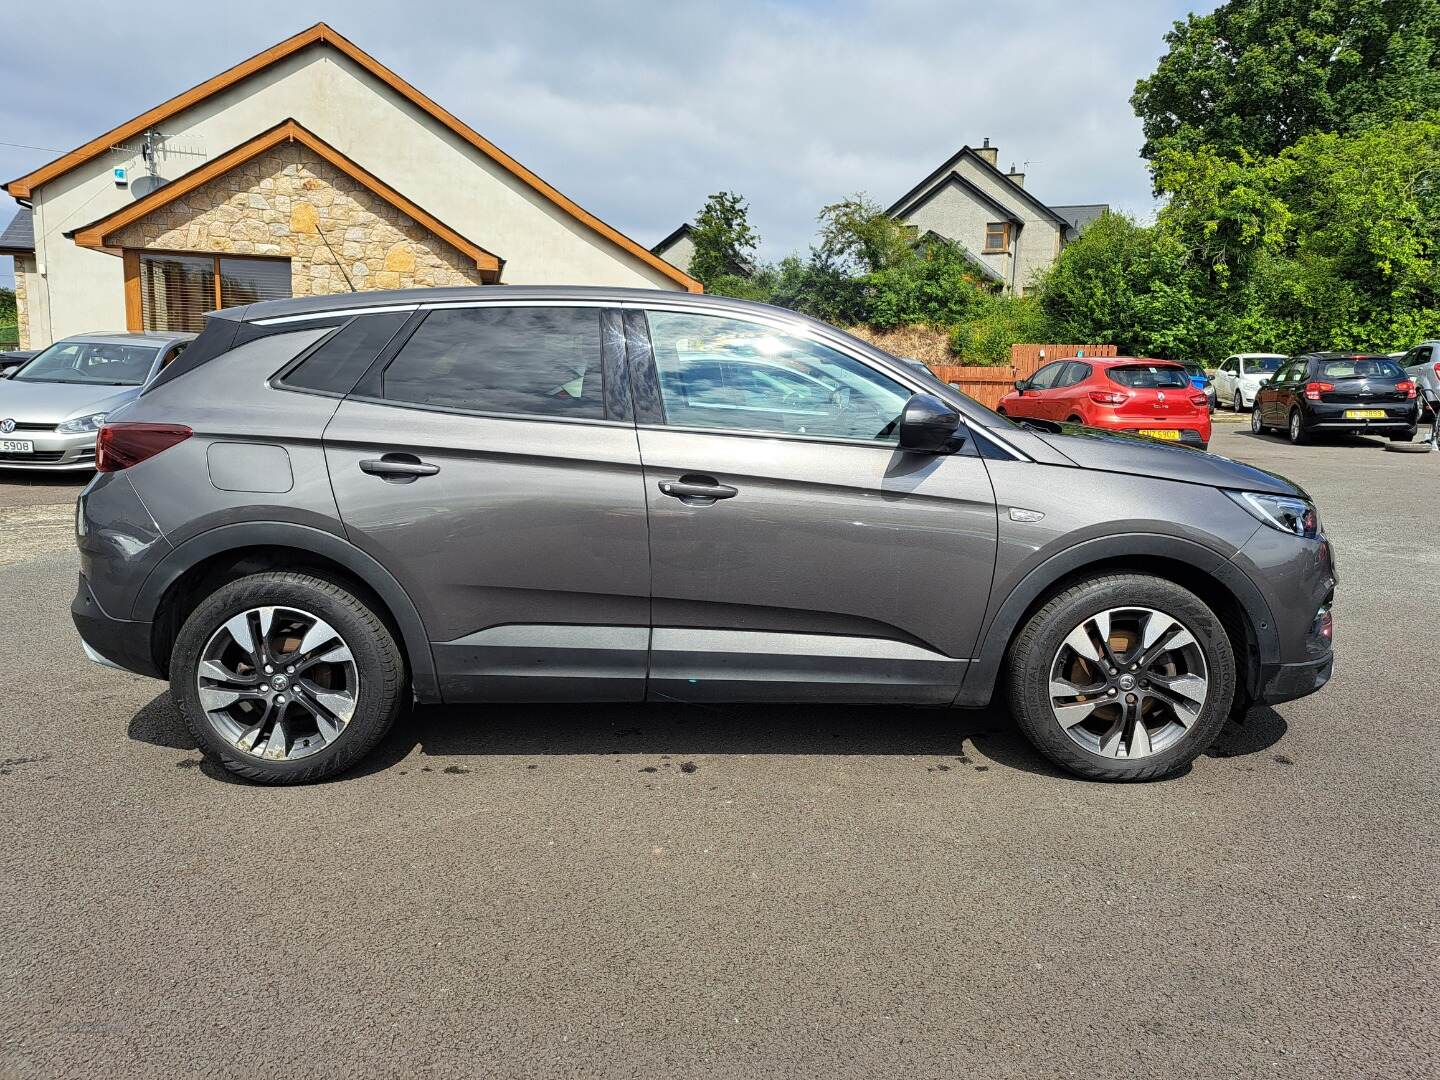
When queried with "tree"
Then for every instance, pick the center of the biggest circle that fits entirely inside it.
(1131, 284)
(724, 241)
(1258, 75)
(7, 305)
(858, 235)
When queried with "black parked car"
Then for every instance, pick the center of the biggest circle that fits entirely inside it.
(9, 361)
(1334, 391)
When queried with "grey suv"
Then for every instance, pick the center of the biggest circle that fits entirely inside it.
(327, 506)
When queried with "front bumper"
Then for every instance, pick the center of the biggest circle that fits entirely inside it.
(113, 642)
(1286, 682)
(52, 452)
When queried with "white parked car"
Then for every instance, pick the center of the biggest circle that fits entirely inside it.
(1241, 375)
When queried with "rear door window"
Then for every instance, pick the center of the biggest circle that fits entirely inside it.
(1149, 376)
(511, 361)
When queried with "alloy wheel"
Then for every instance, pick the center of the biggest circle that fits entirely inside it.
(1297, 429)
(1255, 425)
(1239, 402)
(1128, 683)
(278, 683)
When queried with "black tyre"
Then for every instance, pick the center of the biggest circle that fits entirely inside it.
(1407, 435)
(1239, 402)
(1122, 677)
(1298, 435)
(1256, 425)
(286, 678)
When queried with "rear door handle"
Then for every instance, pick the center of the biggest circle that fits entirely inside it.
(398, 468)
(697, 490)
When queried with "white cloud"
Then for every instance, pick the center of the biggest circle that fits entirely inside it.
(640, 110)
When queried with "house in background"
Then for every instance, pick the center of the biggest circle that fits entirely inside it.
(1008, 233)
(678, 248)
(308, 169)
(18, 242)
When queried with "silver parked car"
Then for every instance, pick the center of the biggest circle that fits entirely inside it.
(52, 406)
(1422, 364)
(329, 506)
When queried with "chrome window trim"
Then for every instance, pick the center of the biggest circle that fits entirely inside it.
(336, 313)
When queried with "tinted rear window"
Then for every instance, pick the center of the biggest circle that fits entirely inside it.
(528, 361)
(1363, 368)
(1149, 376)
(339, 361)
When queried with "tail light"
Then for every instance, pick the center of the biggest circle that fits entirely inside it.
(1406, 385)
(1437, 371)
(1107, 397)
(119, 446)
(1313, 390)
(1199, 400)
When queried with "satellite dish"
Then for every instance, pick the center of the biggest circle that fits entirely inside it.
(144, 185)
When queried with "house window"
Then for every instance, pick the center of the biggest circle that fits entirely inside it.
(177, 290)
(997, 237)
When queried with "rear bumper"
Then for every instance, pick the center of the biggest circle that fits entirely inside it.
(114, 642)
(1323, 416)
(1286, 682)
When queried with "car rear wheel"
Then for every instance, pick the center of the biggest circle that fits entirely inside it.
(286, 678)
(1405, 436)
(1122, 677)
(1298, 435)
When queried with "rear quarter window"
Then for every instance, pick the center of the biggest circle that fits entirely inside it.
(1149, 376)
(336, 364)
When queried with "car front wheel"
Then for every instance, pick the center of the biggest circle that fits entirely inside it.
(1239, 402)
(286, 678)
(1122, 677)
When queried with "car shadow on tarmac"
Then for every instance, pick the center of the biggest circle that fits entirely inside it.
(956, 739)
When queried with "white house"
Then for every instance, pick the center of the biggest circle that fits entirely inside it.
(1008, 233)
(309, 168)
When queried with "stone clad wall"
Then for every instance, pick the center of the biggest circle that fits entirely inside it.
(292, 202)
(24, 267)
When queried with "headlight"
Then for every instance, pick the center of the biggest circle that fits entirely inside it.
(81, 424)
(1283, 512)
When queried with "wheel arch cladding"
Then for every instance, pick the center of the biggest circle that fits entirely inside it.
(1234, 598)
(278, 545)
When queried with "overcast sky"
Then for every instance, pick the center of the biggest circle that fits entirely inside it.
(639, 110)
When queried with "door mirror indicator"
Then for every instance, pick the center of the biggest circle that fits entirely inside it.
(927, 424)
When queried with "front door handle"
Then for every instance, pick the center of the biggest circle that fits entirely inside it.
(697, 490)
(398, 468)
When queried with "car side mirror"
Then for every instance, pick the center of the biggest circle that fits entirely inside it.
(927, 424)
(1021, 385)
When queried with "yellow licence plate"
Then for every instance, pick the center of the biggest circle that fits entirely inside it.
(1364, 414)
(1161, 433)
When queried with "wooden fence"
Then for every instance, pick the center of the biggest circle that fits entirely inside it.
(988, 385)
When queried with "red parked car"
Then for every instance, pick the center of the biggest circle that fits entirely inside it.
(1122, 393)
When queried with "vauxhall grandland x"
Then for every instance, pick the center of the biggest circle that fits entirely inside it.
(328, 507)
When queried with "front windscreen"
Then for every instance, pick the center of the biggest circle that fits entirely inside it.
(92, 363)
(1263, 365)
